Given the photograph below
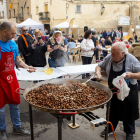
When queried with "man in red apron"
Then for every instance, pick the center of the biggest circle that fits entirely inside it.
(115, 64)
(8, 81)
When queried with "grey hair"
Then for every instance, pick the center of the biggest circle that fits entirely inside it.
(122, 47)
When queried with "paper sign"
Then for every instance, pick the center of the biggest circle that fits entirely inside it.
(137, 26)
(132, 29)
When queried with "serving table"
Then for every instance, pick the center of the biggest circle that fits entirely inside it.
(109, 49)
(79, 69)
(24, 75)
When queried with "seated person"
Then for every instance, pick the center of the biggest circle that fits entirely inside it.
(100, 39)
(130, 41)
(71, 45)
(100, 48)
(80, 39)
(108, 41)
(116, 40)
(103, 46)
(102, 43)
(134, 49)
(126, 43)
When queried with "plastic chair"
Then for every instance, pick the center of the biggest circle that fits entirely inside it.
(79, 53)
(100, 55)
(73, 55)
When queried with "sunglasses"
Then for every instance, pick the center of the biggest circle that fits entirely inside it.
(25, 30)
(58, 29)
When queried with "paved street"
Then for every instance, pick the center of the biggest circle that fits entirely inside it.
(45, 125)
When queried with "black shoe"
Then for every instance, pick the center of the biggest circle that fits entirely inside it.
(129, 137)
(103, 133)
(21, 131)
(3, 134)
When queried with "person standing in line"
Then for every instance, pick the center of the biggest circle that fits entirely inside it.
(104, 34)
(96, 50)
(121, 33)
(108, 32)
(8, 81)
(118, 34)
(24, 41)
(87, 50)
(31, 32)
(37, 49)
(113, 35)
(57, 47)
(135, 37)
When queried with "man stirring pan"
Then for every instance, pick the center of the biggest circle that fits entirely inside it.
(115, 64)
(8, 81)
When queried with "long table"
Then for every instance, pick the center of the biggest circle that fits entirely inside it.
(23, 74)
(79, 69)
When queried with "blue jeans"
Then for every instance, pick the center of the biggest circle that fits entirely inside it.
(56, 63)
(15, 117)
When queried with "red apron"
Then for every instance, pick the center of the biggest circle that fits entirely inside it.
(8, 79)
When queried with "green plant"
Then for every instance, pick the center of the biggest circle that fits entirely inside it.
(40, 14)
(40, 18)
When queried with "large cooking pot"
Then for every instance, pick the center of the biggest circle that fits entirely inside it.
(67, 81)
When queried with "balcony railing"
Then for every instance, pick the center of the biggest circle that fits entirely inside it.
(44, 16)
(21, 17)
(1, 17)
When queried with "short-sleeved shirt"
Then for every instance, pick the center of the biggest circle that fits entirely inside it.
(6, 48)
(131, 65)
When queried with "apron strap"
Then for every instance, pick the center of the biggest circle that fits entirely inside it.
(0, 52)
(10, 46)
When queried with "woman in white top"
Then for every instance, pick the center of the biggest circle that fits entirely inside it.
(87, 50)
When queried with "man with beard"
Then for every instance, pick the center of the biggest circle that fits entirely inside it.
(8, 80)
(23, 42)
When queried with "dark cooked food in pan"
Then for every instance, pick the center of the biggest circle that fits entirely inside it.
(70, 96)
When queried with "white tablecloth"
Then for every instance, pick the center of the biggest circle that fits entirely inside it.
(23, 74)
(109, 49)
(79, 69)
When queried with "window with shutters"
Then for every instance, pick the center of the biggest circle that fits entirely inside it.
(22, 11)
(46, 7)
(9, 13)
(27, 10)
(37, 10)
(13, 12)
(78, 8)
(3, 14)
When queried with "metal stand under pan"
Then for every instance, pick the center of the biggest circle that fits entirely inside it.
(65, 115)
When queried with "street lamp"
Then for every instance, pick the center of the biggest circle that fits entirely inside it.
(102, 10)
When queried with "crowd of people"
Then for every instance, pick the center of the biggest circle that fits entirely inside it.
(58, 45)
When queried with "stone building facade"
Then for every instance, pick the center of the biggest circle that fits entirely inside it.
(85, 12)
(3, 11)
